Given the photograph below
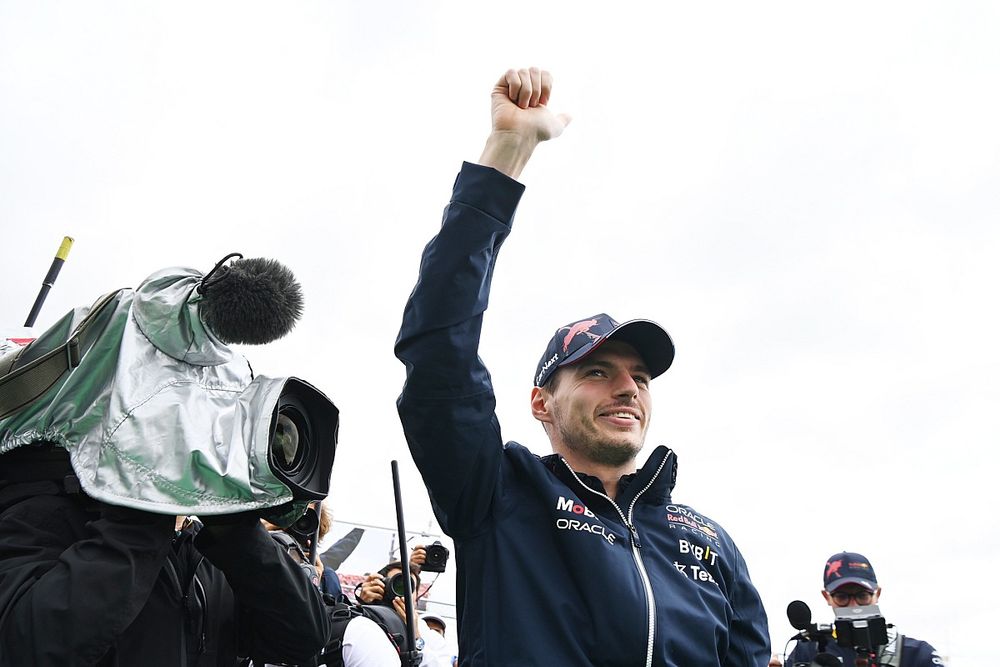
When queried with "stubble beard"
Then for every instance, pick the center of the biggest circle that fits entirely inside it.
(594, 447)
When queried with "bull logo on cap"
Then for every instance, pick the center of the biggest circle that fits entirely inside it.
(575, 330)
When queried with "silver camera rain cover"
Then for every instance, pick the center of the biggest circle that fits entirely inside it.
(159, 415)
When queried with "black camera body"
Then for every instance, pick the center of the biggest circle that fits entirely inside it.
(304, 527)
(861, 628)
(437, 558)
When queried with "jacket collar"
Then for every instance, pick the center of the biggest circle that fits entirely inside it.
(659, 473)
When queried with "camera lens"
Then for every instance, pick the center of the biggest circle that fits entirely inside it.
(395, 587)
(286, 441)
(290, 440)
(304, 528)
(398, 585)
(303, 438)
(307, 523)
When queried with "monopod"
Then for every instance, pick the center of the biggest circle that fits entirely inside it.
(412, 657)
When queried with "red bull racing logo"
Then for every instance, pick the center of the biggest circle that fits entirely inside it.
(580, 328)
(687, 520)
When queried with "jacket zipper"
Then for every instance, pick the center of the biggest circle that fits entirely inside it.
(201, 597)
(650, 603)
(201, 600)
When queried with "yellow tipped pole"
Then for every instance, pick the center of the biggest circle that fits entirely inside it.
(50, 279)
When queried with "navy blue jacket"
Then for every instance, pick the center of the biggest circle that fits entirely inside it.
(550, 570)
(915, 653)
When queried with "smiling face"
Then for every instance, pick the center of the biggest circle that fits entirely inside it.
(598, 408)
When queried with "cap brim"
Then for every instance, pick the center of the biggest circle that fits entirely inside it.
(649, 339)
(867, 584)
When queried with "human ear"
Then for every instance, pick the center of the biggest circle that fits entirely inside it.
(540, 405)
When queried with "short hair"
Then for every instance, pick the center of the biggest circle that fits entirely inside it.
(553, 379)
(325, 520)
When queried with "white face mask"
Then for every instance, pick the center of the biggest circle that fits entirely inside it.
(162, 416)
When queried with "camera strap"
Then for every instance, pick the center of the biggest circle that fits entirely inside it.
(891, 655)
(19, 388)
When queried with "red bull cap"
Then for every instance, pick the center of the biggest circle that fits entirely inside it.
(576, 340)
(848, 568)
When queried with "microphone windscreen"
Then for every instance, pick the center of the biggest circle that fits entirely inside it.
(799, 614)
(251, 301)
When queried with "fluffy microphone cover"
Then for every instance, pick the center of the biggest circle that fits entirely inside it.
(251, 301)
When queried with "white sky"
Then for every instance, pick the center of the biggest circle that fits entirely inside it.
(804, 194)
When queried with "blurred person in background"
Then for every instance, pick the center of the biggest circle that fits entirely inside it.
(377, 589)
(849, 581)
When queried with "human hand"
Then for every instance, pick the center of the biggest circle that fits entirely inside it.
(418, 556)
(775, 661)
(521, 119)
(372, 589)
(519, 104)
(399, 604)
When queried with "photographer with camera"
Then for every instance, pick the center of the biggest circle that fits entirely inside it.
(541, 540)
(385, 589)
(125, 415)
(849, 583)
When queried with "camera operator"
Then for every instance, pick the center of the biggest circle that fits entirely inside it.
(437, 624)
(86, 583)
(378, 589)
(121, 416)
(849, 581)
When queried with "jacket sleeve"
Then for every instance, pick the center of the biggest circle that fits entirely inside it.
(749, 641)
(447, 406)
(71, 583)
(282, 617)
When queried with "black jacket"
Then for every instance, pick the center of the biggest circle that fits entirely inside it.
(87, 585)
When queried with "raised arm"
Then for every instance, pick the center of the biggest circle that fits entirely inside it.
(447, 404)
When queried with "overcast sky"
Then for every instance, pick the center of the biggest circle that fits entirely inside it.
(804, 194)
